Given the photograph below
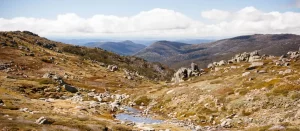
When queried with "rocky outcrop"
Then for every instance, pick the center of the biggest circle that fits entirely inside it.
(183, 73)
(46, 45)
(285, 60)
(241, 57)
(61, 82)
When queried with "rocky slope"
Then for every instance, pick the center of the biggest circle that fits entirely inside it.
(249, 92)
(47, 85)
(122, 48)
(202, 54)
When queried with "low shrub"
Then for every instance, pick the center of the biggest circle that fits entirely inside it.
(144, 99)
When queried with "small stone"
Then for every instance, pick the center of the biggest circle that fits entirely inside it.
(41, 120)
(1, 102)
(277, 128)
(246, 73)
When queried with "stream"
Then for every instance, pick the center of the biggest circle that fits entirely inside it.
(134, 115)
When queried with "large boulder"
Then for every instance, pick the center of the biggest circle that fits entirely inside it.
(194, 67)
(221, 63)
(115, 106)
(254, 56)
(210, 65)
(70, 88)
(183, 73)
(293, 54)
(180, 75)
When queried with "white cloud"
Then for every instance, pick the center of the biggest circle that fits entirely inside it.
(160, 23)
(215, 14)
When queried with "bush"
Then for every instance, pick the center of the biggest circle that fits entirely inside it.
(143, 99)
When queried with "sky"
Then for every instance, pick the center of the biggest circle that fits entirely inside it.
(150, 19)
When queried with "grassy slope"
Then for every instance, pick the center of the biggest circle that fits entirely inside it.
(268, 99)
(19, 91)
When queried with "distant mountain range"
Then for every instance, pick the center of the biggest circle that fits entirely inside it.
(176, 54)
(123, 48)
(194, 41)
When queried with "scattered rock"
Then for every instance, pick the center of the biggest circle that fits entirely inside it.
(226, 123)
(115, 106)
(256, 64)
(262, 71)
(246, 73)
(112, 68)
(277, 128)
(5, 66)
(77, 98)
(287, 71)
(46, 45)
(131, 75)
(42, 120)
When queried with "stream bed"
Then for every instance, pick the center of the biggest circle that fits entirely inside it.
(134, 115)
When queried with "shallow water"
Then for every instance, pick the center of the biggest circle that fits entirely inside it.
(135, 116)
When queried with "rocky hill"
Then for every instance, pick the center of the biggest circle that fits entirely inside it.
(249, 92)
(122, 48)
(50, 85)
(202, 54)
(47, 85)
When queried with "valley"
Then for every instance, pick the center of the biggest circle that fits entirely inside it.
(48, 85)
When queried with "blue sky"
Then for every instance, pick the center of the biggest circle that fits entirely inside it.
(87, 8)
(153, 18)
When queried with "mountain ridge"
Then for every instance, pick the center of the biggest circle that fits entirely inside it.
(126, 47)
(202, 54)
